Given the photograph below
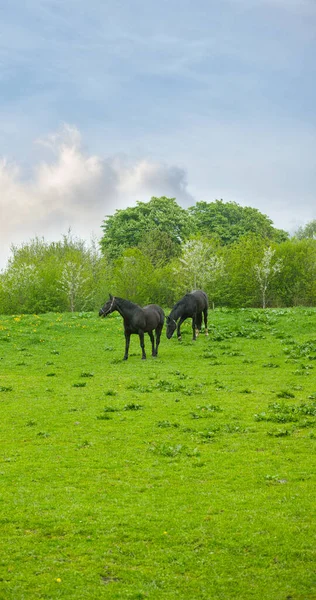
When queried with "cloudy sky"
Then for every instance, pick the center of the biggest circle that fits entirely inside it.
(105, 103)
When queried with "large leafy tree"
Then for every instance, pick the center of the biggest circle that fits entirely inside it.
(307, 232)
(127, 228)
(229, 221)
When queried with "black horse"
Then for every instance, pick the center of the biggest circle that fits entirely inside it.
(137, 320)
(191, 305)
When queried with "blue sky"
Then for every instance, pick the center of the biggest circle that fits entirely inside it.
(106, 103)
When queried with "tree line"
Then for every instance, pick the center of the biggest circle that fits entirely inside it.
(156, 252)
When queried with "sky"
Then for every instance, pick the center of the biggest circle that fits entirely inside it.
(106, 103)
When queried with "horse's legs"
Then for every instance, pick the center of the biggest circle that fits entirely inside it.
(142, 343)
(158, 334)
(198, 324)
(127, 341)
(194, 326)
(152, 339)
(205, 320)
(178, 327)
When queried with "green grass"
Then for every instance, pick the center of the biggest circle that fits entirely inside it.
(187, 476)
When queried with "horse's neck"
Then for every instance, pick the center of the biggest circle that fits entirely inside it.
(123, 306)
(176, 312)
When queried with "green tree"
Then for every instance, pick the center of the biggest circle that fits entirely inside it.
(229, 221)
(296, 284)
(307, 232)
(159, 247)
(238, 288)
(48, 260)
(72, 284)
(265, 271)
(200, 265)
(131, 277)
(20, 285)
(126, 228)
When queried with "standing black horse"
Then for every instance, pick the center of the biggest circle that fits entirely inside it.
(191, 305)
(137, 320)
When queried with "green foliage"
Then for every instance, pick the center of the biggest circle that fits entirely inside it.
(307, 232)
(266, 270)
(155, 479)
(57, 276)
(156, 252)
(239, 286)
(131, 276)
(229, 221)
(127, 228)
(296, 283)
(200, 265)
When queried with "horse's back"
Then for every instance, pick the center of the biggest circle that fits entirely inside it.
(154, 315)
(201, 299)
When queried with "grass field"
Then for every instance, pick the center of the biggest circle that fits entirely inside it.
(188, 476)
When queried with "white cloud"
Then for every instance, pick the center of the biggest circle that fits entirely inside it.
(75, 189)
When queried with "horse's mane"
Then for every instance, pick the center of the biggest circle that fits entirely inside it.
(126, 303)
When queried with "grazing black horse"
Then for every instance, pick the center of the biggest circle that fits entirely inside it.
(137, 320)
(191, 305)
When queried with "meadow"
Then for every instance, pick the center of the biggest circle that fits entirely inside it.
(187, 476)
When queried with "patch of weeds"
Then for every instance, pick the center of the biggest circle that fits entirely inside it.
(168, 386)
(283, 413)
(104, 417)
(166, 424)
(209, 435)
(21, 364)
(208, 354)
(84, 444)
(273, 479)
(140, 388)
(79, 385)
(108, 348)
(50, 374)
(54, 352)
(312, 397)
(246, 391)
(6, 388)
(210, 408)
(110, 409)
(188, 392)
(43, 434)
(49, 363)
(133, 406)
(279, 433)
(195, 453)
(271, 366)
(116, 361)
(110, 393)
(229, 428)
(306, 349)
(180, 375)
(84, 374)
(285, 394)
(167, 450)
(30, 423)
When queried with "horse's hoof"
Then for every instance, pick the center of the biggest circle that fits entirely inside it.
(125, 358)
(180, 338)
(143, 357)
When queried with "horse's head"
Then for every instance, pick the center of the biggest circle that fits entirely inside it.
(171, 327)
(108, 307)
